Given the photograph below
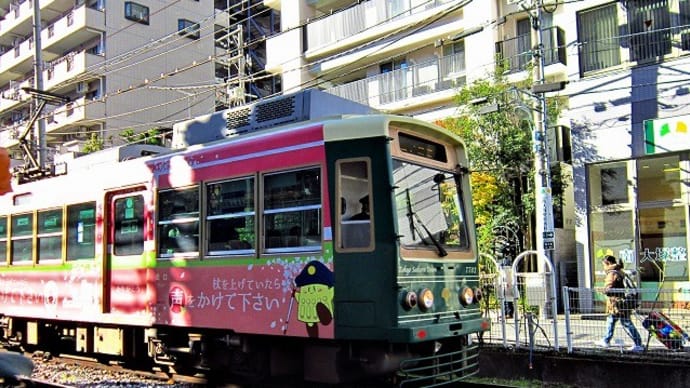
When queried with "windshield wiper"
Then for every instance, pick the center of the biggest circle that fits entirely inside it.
(414, 220)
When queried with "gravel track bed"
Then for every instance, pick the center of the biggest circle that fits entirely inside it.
(80, 374)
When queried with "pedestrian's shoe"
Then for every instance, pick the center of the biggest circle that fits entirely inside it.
(603, 344)
(637, 348)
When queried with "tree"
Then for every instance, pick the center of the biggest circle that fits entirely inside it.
(151, 136)
(93, 144)
(499, 145)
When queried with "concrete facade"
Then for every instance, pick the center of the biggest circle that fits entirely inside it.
(122, 64)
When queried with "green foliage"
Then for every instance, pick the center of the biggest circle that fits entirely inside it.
(151, 136)
(499, 145)
(93, 144)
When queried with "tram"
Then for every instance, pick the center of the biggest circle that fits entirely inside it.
(283, 238)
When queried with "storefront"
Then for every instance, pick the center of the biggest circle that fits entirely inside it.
(639, 208)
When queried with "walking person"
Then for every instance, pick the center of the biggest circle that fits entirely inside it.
(615, 306)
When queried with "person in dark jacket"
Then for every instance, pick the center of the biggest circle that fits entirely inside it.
(615, 308)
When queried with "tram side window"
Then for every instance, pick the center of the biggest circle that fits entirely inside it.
(129, 226)
(354, 209)
(81, 231)
(178, 221)
(22, 238)
(3, 240)
(230, 217)
(292, 211)
(49, 235)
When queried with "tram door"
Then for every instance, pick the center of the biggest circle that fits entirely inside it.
(124, 235)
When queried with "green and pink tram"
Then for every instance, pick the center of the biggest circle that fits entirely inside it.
(333, 248)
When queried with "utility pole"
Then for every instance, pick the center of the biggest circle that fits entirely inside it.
(542, 179)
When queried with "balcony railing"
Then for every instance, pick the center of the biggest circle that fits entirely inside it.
(516, 53)
(73, 113)
(368, 14)
(431, 76)
(19, 60)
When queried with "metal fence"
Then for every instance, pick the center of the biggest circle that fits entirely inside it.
(579, 323)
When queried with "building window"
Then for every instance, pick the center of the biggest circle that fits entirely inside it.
(663, 243)
(81, 231)
(136, 12)
(178, 221)
(609, 184)
(230, 219)
(598, 35)
(292, 211)
(49, 235)
(646, 227)
(684, 22)
(188, 28)
(129, 226)
(393, 81)
(662, 222)
(612, 233)
(524, 45)
(453, 63)
(650, 33)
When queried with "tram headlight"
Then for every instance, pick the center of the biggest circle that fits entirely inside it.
(409, 300)
(466, 296)
(478, 294)
(426, 299)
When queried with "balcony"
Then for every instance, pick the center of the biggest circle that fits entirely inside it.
(516, 54)
(410, 86)
(74, 113)
(375, 17)
(9, 134)
(18, 19)
(12, 95)
(67, 67)
(75, 27)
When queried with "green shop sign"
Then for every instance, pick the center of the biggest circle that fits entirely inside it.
(666, 135)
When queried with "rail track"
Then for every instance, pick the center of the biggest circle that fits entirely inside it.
(70, 371)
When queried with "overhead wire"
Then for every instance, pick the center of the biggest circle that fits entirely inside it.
(314, 82)
(145, 82)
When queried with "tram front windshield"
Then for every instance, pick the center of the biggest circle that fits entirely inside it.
(429, 209)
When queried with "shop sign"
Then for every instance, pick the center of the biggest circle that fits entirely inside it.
(667, 135)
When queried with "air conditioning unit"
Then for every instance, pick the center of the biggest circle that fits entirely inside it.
(82, 87)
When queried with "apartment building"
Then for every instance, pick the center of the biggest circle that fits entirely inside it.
(115, 64)
(623, 132)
